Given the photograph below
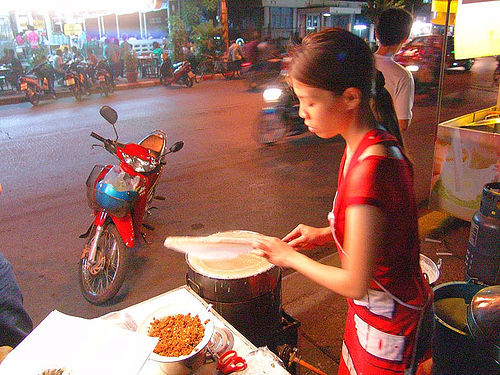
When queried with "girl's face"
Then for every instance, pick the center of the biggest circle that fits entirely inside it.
(323, 111)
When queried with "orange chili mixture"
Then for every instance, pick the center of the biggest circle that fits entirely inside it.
(178, 334)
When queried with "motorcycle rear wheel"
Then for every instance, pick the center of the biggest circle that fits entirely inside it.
(189, 82)
(33, 97)
(103, 281)
(105, 89)
(270, 128)
(77, 93)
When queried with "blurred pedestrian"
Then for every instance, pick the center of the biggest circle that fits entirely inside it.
(392, 31)
(66, 54)
(373, 222)
(32, 38)
(235, 53)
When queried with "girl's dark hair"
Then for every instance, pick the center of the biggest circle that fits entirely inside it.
(383, 108)
(334, 60)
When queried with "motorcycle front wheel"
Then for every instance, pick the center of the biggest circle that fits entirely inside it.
(101, 281)
(270, 128)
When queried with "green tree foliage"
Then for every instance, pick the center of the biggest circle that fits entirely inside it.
(193, 12)
(373, 8)
(203, 36)
(178, 37)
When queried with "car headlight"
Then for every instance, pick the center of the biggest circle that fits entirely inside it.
(138, 164)
(412, 68)
(272, 94)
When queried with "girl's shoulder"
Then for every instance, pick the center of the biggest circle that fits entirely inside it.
(383, 150)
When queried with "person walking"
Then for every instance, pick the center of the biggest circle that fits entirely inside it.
(392, 31)
(235, 54)
(373, 222)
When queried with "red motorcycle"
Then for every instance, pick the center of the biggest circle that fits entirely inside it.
(181, 74)
(120, 197)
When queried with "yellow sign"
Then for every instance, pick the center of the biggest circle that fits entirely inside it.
(439, 9)
(72, 29)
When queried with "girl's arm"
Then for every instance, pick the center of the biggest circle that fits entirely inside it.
(364, 232)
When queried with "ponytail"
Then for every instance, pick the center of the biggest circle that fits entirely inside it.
(383, 109)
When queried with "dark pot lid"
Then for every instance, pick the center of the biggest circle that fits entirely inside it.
(483, 315)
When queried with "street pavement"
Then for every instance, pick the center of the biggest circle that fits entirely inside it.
(320, 312)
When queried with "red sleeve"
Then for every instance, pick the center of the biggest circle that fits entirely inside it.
(378, 182)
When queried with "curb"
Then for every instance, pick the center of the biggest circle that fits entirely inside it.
(64, 93)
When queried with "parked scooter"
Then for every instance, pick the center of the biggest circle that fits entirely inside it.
(102, 77)
(280, 116)
(75, 80)
(181, 73)
(120, 197)
(35, 83)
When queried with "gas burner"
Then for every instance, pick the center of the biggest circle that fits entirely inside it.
(222, 340)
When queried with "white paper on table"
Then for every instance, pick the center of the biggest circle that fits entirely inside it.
(81, 346)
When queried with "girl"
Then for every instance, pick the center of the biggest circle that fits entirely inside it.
(374, 218)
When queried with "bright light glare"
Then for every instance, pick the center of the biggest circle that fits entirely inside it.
(360, 27)
(412, 68)
(82, 7)
(271, 94)
(421, 28)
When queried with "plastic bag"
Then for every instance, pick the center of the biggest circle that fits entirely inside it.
(121, 181)
(263, 362)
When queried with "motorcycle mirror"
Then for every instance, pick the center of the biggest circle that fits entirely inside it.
(109, 114)
(176, 147)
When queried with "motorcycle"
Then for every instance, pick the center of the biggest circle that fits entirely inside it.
(120, 197)
(280, 116)
(181, 74)
(101, 75)
(260, 73)
(75, 80)
(35, 83)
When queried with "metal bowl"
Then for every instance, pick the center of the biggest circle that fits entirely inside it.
(185, 364)
(429, 269)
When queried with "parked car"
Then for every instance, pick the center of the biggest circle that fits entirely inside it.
(427, 49)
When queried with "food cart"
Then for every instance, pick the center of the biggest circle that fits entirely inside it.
(108, 346)
(467, 148)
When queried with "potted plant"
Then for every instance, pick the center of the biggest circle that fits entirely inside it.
(131, 63)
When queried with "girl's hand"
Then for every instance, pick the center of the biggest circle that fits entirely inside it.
(274, 250)
(306, 237)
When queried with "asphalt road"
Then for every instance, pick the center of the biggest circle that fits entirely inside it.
(220, 180)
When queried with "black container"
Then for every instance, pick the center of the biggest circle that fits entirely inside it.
(483, 248)
(286, 334)
(454, 350)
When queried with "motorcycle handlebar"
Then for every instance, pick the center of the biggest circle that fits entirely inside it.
(98, 137)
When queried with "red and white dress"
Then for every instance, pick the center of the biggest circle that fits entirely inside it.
(382, 328)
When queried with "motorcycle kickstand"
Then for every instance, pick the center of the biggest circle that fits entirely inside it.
(148, 226)
(144, 237)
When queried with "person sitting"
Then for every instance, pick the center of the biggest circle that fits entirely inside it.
(15, 68)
